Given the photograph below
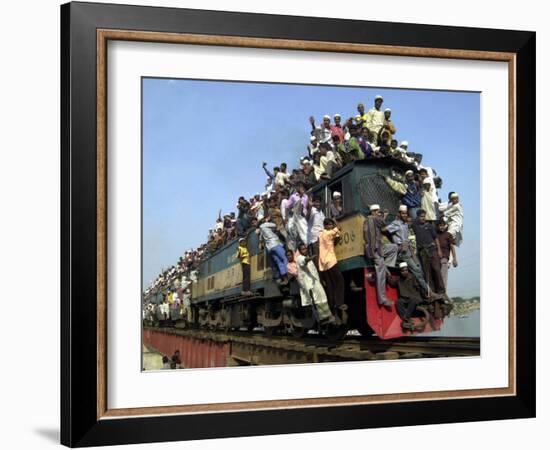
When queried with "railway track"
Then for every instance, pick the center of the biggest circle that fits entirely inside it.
(255, 348)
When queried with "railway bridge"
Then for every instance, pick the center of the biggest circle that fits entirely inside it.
(201, 349)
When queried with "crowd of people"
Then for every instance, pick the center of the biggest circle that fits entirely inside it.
(300, 240)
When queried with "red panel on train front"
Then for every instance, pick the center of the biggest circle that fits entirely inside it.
(384, 321)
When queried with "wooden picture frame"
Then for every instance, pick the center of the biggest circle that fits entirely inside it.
(86, 419)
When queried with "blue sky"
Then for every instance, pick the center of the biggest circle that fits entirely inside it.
(204, 143)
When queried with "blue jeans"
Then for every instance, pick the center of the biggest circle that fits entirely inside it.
(278, 260)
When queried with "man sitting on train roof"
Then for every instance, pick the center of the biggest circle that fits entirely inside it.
(383, 255)
(410, 296)
(409, 190)
(328, 161)
(364, 142)
(354, 149)
(313, 146)
(323, 133)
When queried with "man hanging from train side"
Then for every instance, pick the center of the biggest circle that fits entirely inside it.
(399, 231)
(383, 255)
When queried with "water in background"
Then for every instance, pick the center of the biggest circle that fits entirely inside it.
(455, 326)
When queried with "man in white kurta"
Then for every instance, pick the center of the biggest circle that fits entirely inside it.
(311, 289)
(375, 119)
(454, 216)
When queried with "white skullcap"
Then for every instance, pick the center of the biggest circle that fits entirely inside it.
(409, 171)
(378, 97)
(257, 194)
(405, 143)
(336, 194)
(374, 207)
(326, 116)
(307, 161)
(427, 180)
(402, 265)
(312, 138)
(337, 115)
(454, 195)
(242, 239)
(264, 194)
(357, 117)
(387, 110)
(403, 208)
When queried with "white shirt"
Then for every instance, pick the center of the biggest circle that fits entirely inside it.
(314, 225)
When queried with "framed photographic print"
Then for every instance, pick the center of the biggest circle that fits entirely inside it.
(277, 224)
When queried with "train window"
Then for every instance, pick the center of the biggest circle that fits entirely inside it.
(210, 266)
(342, 189)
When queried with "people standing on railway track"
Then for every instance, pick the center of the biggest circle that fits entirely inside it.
(375, 119)
(429, 252)
(399, 231)
(454, 216)
(383, 255)
(446, 244)
(244, 257)
(328, 268)
(409, 191)
(311, 289)
(275, 250)
(410, 296)
(315, 217)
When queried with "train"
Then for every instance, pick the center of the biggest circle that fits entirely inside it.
(216, 300)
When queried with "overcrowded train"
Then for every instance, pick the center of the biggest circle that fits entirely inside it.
(215, 299)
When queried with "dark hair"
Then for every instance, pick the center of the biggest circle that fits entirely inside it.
(276, 169)
(422, 170)
(420, 212)
(165, 359)
(316, 199)
(325, 145)
(451, 193)
(328, 222)
(441, 222)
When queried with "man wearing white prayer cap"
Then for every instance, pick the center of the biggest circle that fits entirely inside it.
(322, 132)
(429, 202)
(313, 146)
(399, 232)
(389, 126)
(375, 120)
(336, 205)
(383, 255)
(337, 129)
(454, 216)
(410, 296)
